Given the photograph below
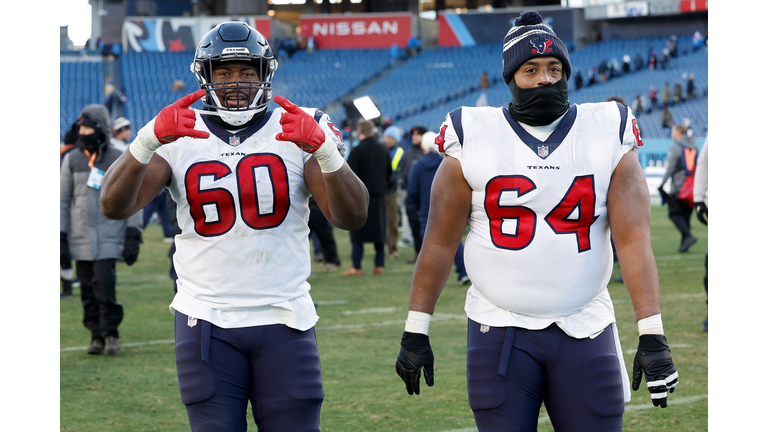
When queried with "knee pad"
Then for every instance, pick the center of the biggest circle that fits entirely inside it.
(603, 390)
(486, 389)
(301, 373)
(196, 381)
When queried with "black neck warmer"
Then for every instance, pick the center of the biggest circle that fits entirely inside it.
(541, 105)
(92, 142)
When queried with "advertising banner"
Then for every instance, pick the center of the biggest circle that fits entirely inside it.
(172, 34)
(628, 9)
(694, 5)
(357, 30)
(469, 29)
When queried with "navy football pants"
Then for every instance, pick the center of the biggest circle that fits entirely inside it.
(275, 367)
(511, 371)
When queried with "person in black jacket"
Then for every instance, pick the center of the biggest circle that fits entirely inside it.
(370, 161)
(413, 154)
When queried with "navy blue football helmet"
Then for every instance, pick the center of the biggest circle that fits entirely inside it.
(235, 41)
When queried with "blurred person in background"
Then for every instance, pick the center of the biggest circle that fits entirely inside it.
(94, 241)
(690, 87)
(121, 133)
(681, 153)
(370, 161)
(666, 94)
(653, 97)
(413, 154)
(323, 230)
(700, 189)
(419, 192)
(666, 117)
(392, 136)
(68, 279)
(178, 86)
(157, 210)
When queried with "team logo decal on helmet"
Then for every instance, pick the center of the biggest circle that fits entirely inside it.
(235, 41)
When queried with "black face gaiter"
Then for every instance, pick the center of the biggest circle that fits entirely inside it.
(91, 142)
(541, 105)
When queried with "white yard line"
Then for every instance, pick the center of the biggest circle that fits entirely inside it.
(331, 302)
(129, 344)
(436, 317)
(375, 310)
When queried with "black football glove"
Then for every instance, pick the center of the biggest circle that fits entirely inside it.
(64, 256)
(701, 212)
(664, 195)
(131, 245)
(415, 355)
(655, 360)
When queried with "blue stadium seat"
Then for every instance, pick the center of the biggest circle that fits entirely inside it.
(421, 90)
(80, 84)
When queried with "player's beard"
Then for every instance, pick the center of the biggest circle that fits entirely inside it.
(541, 105)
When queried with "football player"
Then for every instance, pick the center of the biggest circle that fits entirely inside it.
(241, 176)
(542, 183)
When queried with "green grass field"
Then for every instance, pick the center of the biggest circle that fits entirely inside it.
(361, 320)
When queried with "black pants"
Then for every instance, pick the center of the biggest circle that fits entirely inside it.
(357, 255)
(680, 215)
(413, 221)
(102, 314)
(319, 225)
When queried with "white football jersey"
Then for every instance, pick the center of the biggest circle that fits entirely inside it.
(538, 251)
(242, 258)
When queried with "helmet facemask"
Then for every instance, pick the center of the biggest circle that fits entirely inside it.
(258, 92)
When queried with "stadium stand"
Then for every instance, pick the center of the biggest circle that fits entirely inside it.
(420, 90)
(627, 86)
(80, 84)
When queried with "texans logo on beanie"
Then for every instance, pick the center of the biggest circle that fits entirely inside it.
(530, 38)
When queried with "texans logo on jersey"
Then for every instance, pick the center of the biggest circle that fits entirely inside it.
(636, 131)
(335, 131)
(541, 47)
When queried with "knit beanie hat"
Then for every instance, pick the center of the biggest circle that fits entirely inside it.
(394, 132)
(428, 142)
(529, 38)
(87, 121)
(120, 124)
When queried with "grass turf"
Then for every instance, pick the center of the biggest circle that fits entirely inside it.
(361, 320)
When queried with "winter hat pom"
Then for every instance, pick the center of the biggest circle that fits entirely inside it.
(529, 18)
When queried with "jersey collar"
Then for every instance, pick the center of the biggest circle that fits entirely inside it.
(238, 137)
(544, 148)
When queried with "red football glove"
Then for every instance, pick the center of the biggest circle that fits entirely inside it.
(176, 120)
(299, 127)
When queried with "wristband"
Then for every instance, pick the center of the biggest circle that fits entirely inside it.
(417, 322)
(328, 157)
(650, 325)
(145, 144)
